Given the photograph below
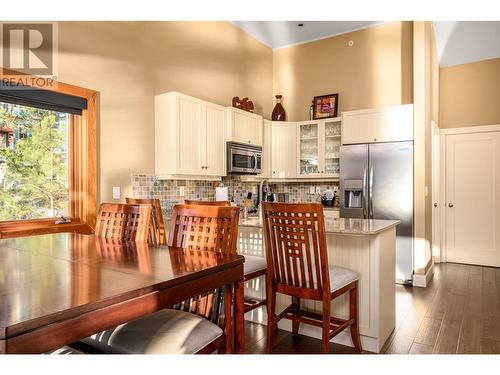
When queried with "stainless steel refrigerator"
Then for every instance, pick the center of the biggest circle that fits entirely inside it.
(376, 182)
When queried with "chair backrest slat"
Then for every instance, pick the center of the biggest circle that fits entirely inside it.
(296, 246)
(123, 222)
(157, 233)
(204, 227)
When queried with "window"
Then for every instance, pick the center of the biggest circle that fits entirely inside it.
(34, 163)
(48, 159)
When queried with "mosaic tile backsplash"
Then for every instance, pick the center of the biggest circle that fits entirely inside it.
(167, 191)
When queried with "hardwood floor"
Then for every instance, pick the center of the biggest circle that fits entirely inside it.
(459, 312)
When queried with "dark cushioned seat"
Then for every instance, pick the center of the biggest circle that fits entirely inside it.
(163, 332)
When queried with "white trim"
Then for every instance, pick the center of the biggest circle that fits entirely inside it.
(436, 198)
(471, 129)
(424, 280)
(188, 177)
(442, 196)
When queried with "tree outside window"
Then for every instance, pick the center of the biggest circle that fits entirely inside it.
(34, 163)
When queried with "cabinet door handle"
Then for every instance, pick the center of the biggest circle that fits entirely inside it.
(450, 204)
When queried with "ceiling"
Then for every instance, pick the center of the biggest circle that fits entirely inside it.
(277, 34)
(461, 42)
(458, 42)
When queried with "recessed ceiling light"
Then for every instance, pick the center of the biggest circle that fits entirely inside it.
(300, 24)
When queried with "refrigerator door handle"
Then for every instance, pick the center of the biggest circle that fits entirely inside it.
(370, 206)
(365, 196)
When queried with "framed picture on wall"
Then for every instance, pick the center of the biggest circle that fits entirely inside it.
(325, 106)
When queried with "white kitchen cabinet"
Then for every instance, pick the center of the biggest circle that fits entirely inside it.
(266, 149)
(387, 124)
(308, 149)
(284, 150)
(189, 137)
(215, 120)
(244, 127)
(318, 148)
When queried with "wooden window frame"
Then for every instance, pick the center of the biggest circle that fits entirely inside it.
(82, 174)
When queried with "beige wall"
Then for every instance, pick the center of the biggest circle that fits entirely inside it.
(375, 72)
(426, 109)
(129, 62)
(470, 94)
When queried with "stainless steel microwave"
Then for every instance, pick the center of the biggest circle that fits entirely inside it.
(243, 158)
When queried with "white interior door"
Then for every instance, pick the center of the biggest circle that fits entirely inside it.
(473, 198)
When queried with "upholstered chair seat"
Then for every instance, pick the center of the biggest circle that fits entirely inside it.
(163, 332)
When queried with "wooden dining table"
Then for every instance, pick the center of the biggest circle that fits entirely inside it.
(56, 289)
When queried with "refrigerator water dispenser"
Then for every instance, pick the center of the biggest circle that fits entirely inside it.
(353, 197)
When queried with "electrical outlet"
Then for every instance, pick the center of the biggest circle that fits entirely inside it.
(318, 190)
(311, 190)
(181, 191)
(116, 192)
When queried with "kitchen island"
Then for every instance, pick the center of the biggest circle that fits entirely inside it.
(365, 246)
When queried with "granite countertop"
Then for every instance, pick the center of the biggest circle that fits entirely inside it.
(341, 226)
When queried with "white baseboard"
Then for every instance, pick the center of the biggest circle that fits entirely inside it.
(424, 280)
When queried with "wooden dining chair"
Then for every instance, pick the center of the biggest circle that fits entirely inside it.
(298, 266)
(123, 222)
(192, 326)
(157, 233)
(254, 266)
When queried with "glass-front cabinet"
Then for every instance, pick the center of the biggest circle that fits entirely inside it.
(332, 147)
(318, 148)
(309, 149)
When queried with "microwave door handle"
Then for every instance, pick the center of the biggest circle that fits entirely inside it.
(365, 196)
(370, 207)
(254, 156)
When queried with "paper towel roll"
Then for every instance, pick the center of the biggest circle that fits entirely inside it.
(221, 193)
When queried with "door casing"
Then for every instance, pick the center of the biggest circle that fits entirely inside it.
(442, 256)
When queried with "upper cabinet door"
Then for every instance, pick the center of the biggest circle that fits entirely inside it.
(190, 132)
(284, 150)
(215, 120)
(308, 150)
(244, 127)
(389, 124)
(266, 149)
(331, 147)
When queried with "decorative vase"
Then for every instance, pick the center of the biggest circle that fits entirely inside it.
(278, 111)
